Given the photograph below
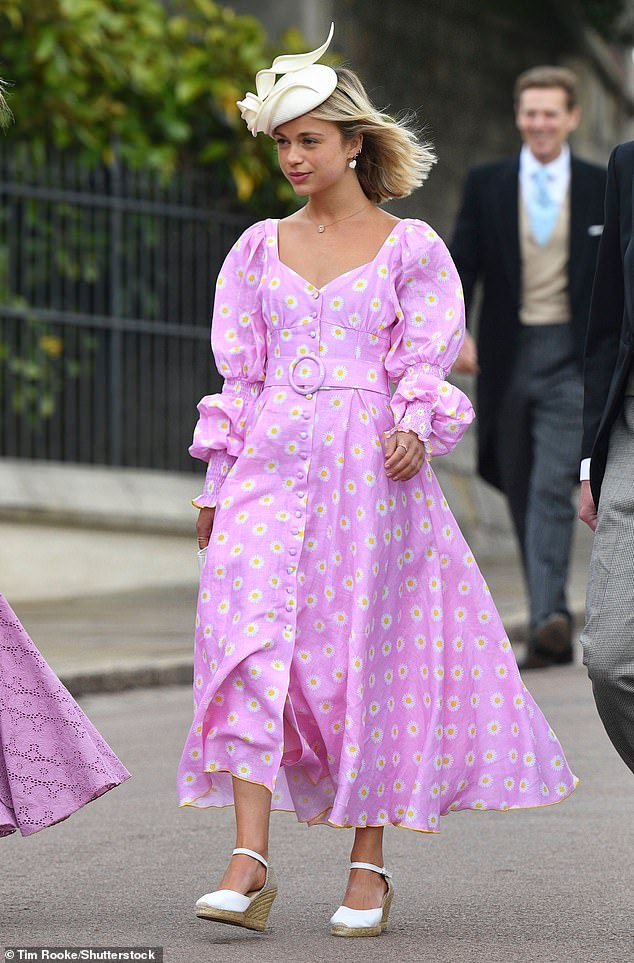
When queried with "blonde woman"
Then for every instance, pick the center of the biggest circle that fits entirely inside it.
(350, 664)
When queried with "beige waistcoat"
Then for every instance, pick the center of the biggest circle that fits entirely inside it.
(544, 294)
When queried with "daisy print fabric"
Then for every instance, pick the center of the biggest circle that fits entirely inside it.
(348, 654)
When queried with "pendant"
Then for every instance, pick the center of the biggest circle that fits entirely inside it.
(321, 228)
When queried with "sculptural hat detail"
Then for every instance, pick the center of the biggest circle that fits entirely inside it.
(5, 111)
(303, 84)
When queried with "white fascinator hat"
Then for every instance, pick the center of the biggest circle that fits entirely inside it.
(5, 111)
(303, 84)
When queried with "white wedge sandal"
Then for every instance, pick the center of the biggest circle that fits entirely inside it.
(250, 911)
(372, 922)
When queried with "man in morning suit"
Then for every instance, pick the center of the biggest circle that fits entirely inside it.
(529, 229)
(607, 470)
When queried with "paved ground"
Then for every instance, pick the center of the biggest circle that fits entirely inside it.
(542, 885)
(49, 562)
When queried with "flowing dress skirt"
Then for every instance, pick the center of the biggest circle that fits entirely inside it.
(52, 759)
(349, 655)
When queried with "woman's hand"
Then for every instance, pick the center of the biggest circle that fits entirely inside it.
(404, 455)
(204, 526)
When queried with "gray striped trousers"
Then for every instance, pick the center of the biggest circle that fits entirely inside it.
(608, 636)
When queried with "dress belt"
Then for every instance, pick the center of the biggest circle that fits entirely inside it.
(308, 373)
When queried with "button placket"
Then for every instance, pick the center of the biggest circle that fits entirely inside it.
(304, 453)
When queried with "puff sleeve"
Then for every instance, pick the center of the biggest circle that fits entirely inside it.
(425, 341)
(238, 341)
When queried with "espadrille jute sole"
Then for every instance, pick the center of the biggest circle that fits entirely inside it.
(350, 931)
(255, 917)
(339, 930)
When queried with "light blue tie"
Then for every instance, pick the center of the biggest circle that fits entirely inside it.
(542, 209)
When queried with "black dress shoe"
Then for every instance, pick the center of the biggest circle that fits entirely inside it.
(538, 659)
(550, 644)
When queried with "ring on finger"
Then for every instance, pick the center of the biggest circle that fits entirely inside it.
(401, 445)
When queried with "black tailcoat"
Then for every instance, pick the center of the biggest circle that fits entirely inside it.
(486, 247)
(610, 341)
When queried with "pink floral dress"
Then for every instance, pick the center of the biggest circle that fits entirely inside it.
(348, 654)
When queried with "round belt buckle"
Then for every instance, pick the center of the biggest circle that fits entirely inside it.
(321, 374)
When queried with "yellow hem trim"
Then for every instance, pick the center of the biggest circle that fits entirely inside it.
(196, 505)
(415, 829)
(210, 772)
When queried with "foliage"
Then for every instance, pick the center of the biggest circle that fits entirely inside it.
(37, 368)
(150, 82)
(159, 80)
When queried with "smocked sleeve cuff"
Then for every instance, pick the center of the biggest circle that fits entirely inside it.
(417, 418)
(220, 464)
(437, 411)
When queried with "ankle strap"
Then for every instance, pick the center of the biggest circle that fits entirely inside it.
(249, 852)
(381, 870)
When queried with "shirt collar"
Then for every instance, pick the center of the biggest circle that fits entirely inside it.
(560, 167)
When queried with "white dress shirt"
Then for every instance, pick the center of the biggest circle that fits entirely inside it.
(558, 175)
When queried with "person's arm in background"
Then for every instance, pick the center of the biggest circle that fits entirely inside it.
(602, 339)
(465, 250)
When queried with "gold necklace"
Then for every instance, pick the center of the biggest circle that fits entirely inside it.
(322, 227)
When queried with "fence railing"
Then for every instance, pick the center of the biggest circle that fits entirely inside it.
(106, 282)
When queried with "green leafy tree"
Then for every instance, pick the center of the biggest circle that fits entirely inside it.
(158, 80)
(153, 83)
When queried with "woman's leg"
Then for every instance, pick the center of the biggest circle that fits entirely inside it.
(253, 811)
(366, 889)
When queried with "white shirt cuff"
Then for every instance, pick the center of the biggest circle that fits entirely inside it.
(584, 473)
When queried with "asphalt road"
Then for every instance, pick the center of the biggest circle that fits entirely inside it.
(545, 885)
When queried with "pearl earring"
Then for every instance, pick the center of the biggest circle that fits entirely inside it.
(353, 163)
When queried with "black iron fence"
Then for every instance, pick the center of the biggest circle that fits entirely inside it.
(106, 282)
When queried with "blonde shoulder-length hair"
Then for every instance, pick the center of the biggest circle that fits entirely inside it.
(394, 160)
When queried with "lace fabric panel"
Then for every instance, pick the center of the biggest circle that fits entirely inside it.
(417, 418)
(52, 759)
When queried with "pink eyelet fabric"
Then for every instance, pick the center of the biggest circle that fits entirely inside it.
(52, 759)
